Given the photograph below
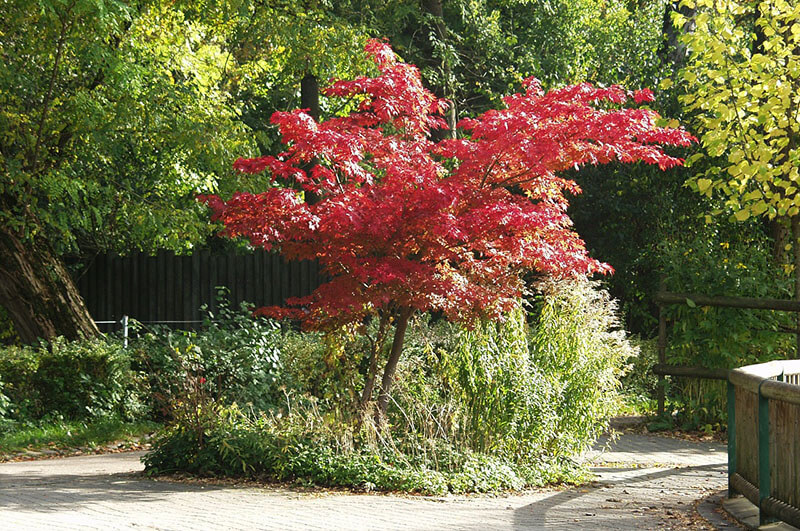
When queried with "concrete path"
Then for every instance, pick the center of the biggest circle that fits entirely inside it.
(643, 482)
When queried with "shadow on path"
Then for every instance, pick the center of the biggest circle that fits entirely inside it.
(69, 492)
(539, 513)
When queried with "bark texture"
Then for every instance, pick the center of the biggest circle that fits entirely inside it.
(795, 223)
(38, 293)
(674, 53)
(391, 363)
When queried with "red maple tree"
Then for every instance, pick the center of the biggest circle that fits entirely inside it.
(402, 223)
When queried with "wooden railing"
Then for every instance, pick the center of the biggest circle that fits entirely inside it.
(666, 298)
(764, 438)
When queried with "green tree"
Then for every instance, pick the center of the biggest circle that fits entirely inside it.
(742, 85)
(116, 114)
(475, 51)
(112, 120)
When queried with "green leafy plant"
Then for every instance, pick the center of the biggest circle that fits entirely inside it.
(235, 356)
(502, 406)
(78, 379)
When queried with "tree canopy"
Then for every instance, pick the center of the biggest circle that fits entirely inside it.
(402, 223)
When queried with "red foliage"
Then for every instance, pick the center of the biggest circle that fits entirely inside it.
(406, 222)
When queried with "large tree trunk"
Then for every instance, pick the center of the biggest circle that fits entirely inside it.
(391, 363)
(780, 235)
(38, 293)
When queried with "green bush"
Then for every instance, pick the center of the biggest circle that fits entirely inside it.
(502, 406)
(721, 264)
(513, 389)
(639, 384)
(78, 379)
(234, 357)
(303, 447)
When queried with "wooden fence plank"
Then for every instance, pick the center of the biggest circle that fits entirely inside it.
(665, 297)
(166, 287)
(196, 286)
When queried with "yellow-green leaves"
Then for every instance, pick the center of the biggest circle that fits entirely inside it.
(744, 95)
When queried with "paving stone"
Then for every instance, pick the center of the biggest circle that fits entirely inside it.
(652, 484)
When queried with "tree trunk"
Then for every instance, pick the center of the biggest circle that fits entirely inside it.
(795, 222)
(309, 95)
(309, 99)
(436, 8)
(780, 236)
(38, 293)
(391, 363)
(377, 346)
(673, 53)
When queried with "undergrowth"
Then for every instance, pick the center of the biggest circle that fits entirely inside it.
(503, 406)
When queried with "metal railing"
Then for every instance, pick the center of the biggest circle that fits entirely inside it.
(126, 321)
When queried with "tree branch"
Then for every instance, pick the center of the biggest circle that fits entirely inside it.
(66, 26)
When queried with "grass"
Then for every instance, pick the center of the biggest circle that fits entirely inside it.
(56, 435)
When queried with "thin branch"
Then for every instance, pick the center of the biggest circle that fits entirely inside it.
(66, 26)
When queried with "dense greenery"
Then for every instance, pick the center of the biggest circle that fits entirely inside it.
(116, 114)
(504, 405)
(501, 406)
(74, 380)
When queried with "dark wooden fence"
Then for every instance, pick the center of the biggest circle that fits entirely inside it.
(166, 287)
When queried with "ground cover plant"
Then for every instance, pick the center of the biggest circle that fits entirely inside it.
(65, 436)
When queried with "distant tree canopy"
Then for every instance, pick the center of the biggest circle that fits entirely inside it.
(116, 114)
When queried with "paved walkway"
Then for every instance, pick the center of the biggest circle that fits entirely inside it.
(643, 482)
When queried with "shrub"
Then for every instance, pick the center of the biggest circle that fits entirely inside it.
(730, 261)
(502, 406)
(78, 379)
(234, 357)
(302, 446)
(639, 384)
(513, 389)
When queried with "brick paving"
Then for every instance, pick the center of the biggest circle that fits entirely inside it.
(643, 482)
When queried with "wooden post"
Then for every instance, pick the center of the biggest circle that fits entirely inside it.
(731, 437)
(662, 352)
(764, 479)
